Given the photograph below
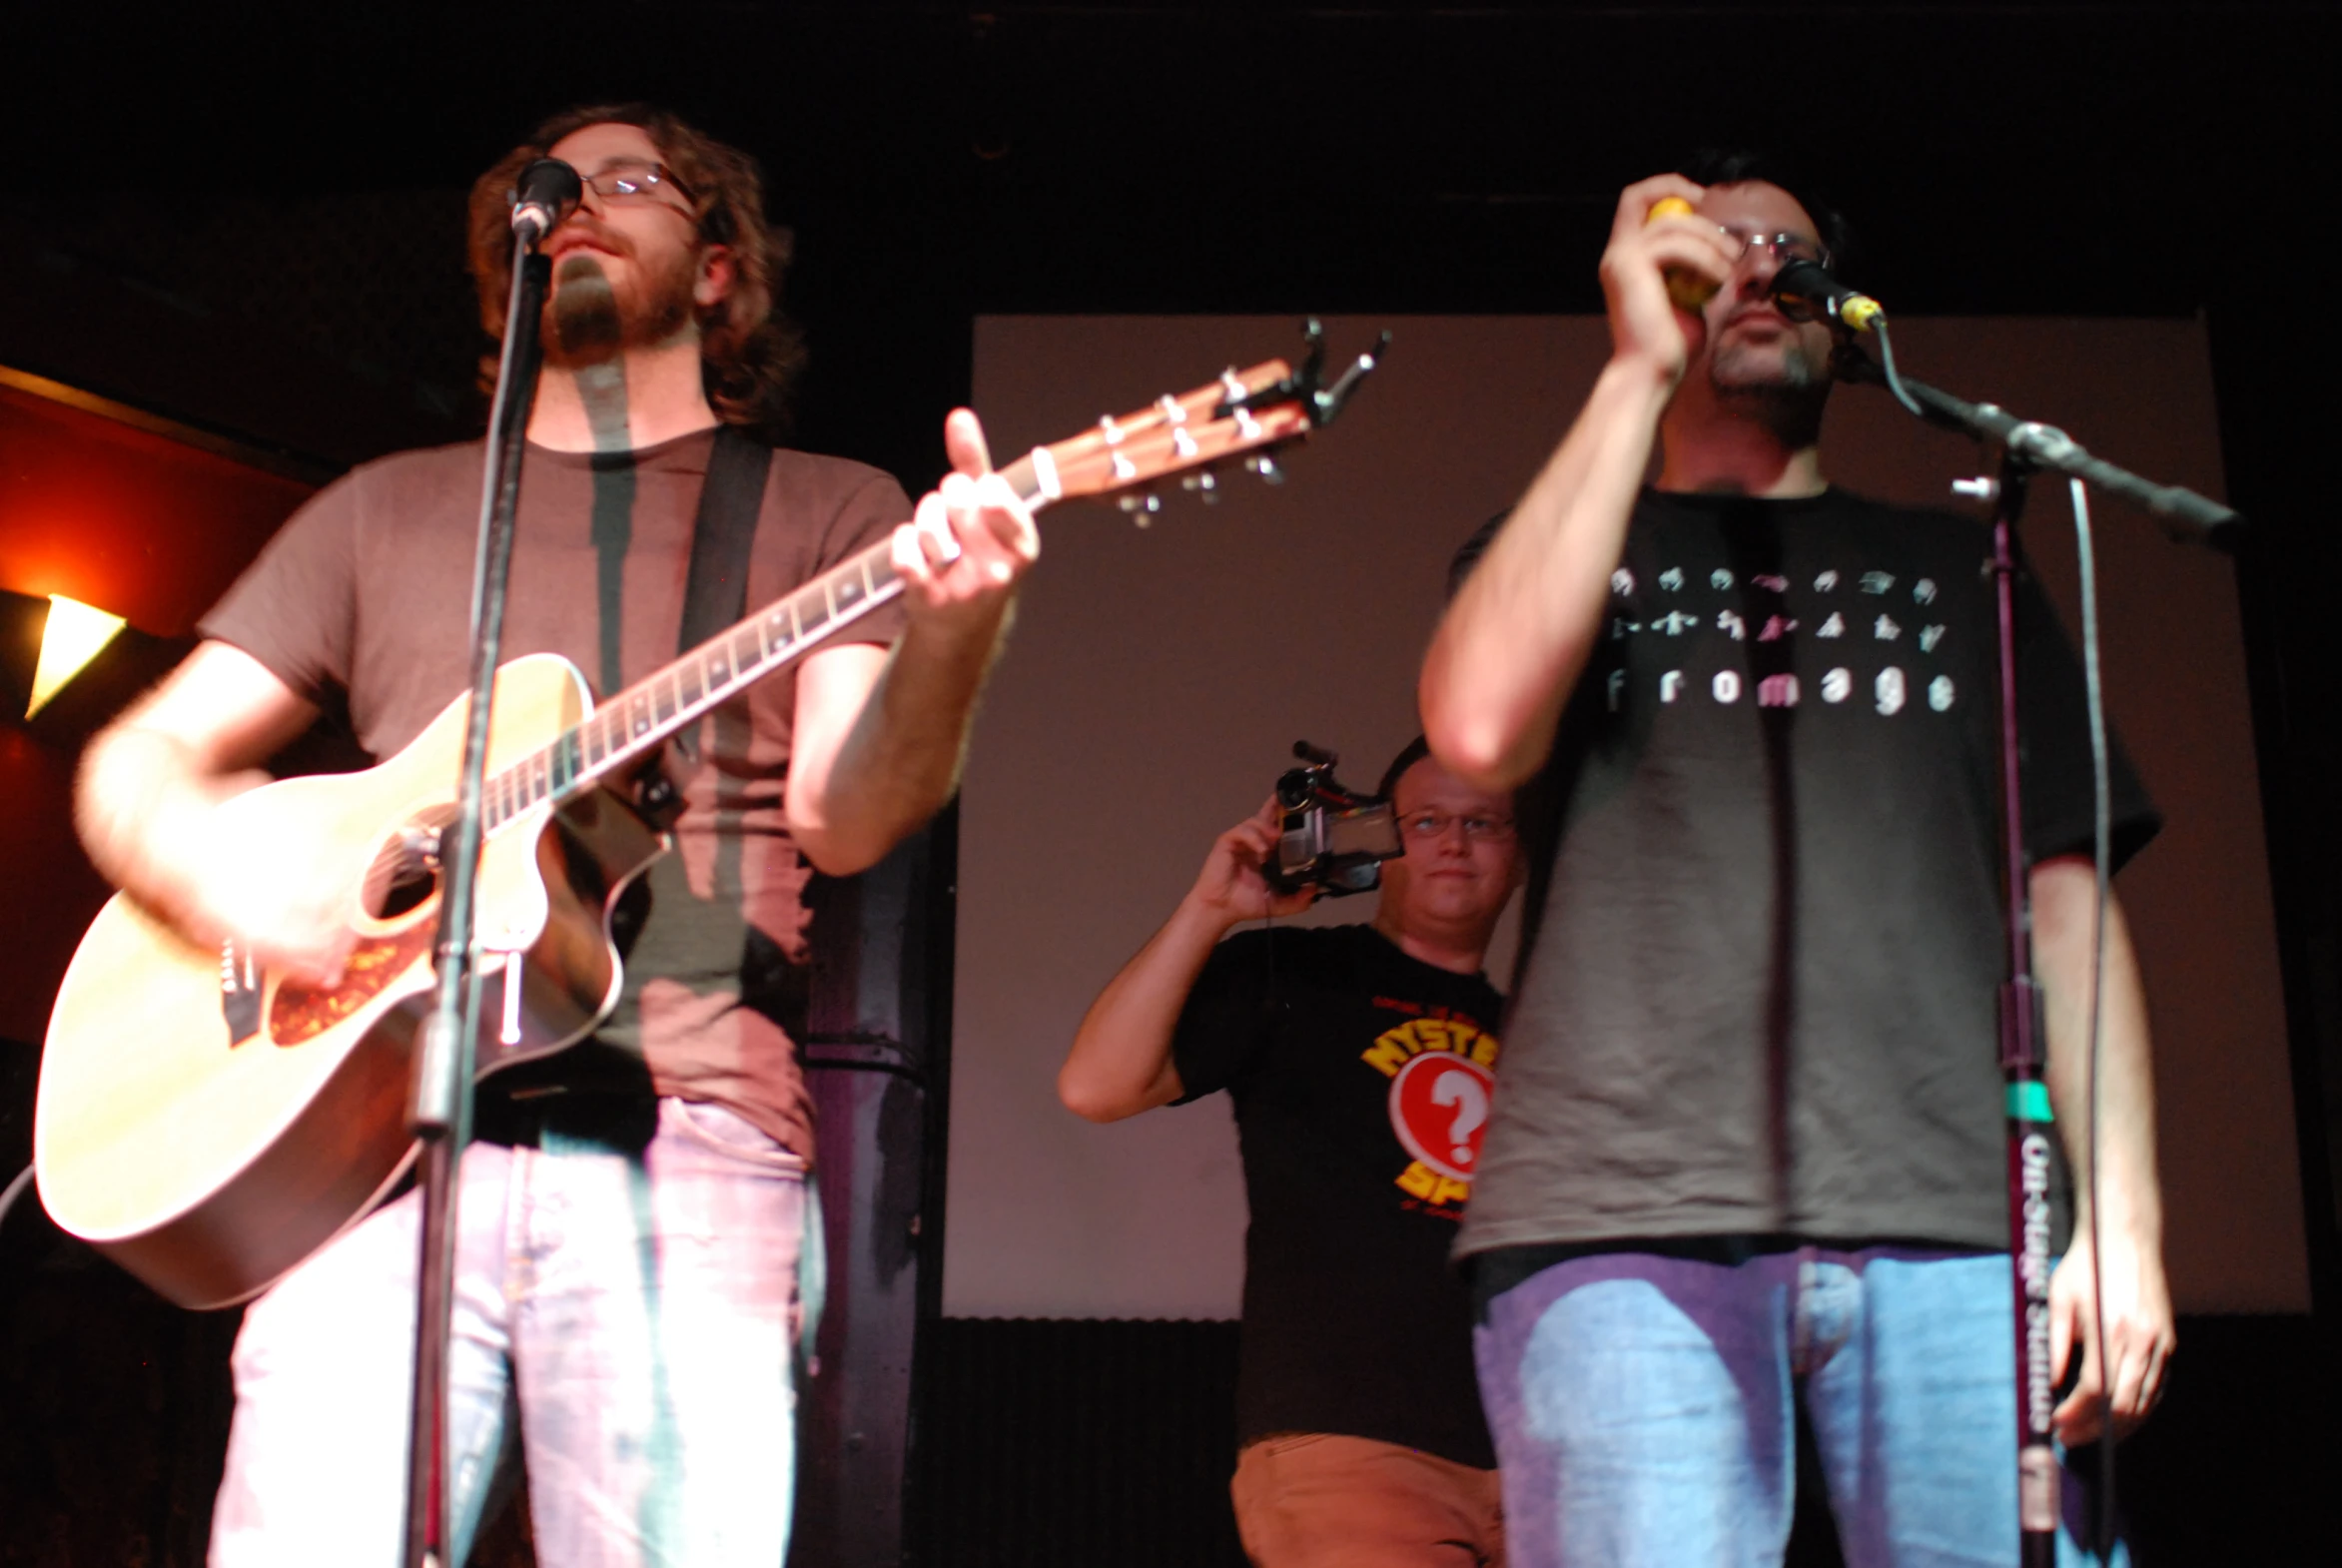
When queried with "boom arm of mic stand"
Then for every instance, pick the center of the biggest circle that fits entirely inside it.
(2183, 515)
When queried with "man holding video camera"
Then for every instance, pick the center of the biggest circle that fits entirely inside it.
(1359, 1057)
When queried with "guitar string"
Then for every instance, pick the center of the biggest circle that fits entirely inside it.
(639, 718)
(658, 705)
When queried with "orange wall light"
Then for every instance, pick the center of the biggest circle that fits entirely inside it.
(75, 634)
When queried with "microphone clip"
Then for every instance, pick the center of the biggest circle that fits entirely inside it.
(1805, 291)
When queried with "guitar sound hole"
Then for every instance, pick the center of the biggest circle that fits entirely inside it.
(405, 870)
(408, 887)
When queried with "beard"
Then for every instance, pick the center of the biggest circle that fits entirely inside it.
(589, 317)
(1785, 394)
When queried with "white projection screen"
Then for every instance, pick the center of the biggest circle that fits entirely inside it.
(1157, 679)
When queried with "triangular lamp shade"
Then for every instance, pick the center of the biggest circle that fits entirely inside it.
(75, 634)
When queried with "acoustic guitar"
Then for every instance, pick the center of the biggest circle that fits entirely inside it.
(208, 1124)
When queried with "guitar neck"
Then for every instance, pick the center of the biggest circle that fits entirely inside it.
(1249, 412)
(636, 722)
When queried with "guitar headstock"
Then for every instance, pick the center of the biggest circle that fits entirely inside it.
(1243, 417)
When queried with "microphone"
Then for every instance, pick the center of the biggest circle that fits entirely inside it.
(548, 188)
(1688, 290)
(1806, 286)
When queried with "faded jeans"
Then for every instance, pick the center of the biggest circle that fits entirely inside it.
(628, 1293)
(1641, 1407)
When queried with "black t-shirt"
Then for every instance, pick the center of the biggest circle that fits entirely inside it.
(1758, 997)
(1361, 1082)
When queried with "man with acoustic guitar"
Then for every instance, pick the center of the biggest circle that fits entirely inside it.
(633, 1211)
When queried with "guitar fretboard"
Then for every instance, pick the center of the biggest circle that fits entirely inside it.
(637, 721)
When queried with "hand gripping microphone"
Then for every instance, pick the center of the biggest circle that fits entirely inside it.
(548, 189)
(1806, 289)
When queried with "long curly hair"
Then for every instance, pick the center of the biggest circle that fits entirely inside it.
(750, 353)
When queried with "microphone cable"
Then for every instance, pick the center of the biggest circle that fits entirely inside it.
(2103, 835)
(1878, 329)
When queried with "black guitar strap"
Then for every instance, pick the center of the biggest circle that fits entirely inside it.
(715, 595)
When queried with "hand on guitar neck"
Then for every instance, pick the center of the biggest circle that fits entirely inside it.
(882, 736)
(969, 541)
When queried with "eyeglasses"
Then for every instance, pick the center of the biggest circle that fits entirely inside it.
(1477, 829)
(1786, 247)
(635, 179)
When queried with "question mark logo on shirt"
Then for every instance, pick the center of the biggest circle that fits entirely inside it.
(1439, 1109)
(1462, 1091)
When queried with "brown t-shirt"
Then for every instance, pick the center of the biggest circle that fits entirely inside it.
(364, 599)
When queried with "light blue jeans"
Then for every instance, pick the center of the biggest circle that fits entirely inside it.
(1641, 1407)
(628, 1292)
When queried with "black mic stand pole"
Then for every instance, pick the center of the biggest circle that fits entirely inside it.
(2022, 1063)
(2027, 448)
(440, 1107)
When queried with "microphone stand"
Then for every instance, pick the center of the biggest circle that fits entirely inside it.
(2183, 515)
(2026, 448)
(440, 1103)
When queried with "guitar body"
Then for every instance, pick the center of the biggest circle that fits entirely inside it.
(207, 1125)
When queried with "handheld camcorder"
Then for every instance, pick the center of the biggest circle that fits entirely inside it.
(1329, 836)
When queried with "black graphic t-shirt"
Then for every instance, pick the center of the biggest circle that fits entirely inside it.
(1758, 994)
(1361, 1079)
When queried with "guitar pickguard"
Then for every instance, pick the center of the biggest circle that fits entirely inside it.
(298, 1013)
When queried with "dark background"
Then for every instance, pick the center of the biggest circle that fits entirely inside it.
(250, 220)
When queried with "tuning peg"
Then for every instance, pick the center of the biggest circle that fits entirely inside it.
(1141, 506)
(1204, 482)
(1266, 465)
